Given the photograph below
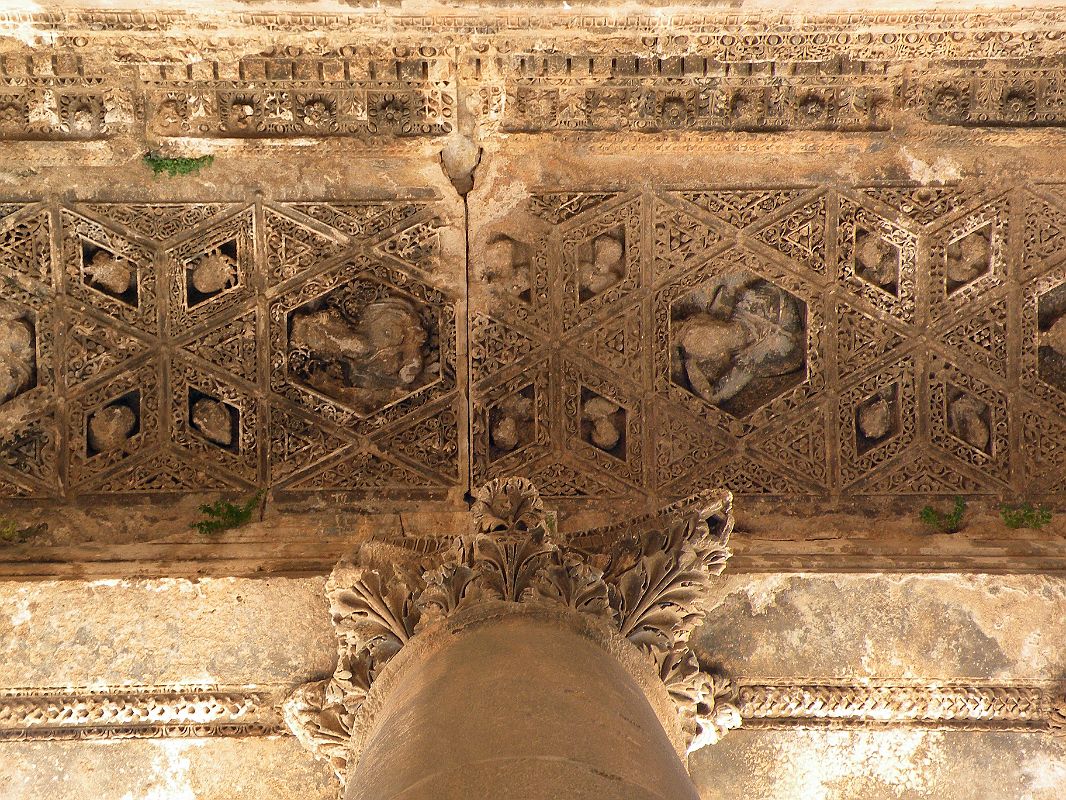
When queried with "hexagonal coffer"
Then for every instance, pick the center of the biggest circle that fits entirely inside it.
(738, 341)
(363, 344)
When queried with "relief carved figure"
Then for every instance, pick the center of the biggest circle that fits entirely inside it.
(212, 419)
(603, 423)
(968, 258)
(213, 272)
(18, 357)
(876, 260)
(731, 333)
(603, 266)
(875, 418)
(511, 422)
(364, 355)
(110, 273)
(111, 427)
(968, 421)
(1051, 337)
(508, 266)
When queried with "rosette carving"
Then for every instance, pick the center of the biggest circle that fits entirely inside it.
(648, 577)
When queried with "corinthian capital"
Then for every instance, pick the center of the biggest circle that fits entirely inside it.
(646, 578)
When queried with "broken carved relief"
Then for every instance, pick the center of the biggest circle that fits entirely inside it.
(363, 346)
(18, 352)
(738, 340)
(363, 342)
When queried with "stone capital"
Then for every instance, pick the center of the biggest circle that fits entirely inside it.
(638, 587)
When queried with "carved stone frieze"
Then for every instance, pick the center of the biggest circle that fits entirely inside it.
(138, 712)
(180, 347)
(201, 712)
(647, 581)
(105, 73)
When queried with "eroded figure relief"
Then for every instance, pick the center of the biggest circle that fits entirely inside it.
(18, 355)
(365, 355)
(968, 420)
(602, 264)
(215, 271)
(603, 424)
(511, 422)
(508, 265)
(877, 261)
(106, 271)
(969, 258)
(111, 427)
(1051, 352)
(212, 418)
(738, 339)
(876, 419)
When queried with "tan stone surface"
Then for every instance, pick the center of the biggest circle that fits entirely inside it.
(881, 765)
(884, 626)
(214, 631)
(215, 769)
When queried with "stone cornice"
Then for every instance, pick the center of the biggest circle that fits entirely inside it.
(131, 712)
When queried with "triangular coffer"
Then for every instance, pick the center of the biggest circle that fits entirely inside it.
(741, 208)
(159, 222)
(917, 476)
(362, 471)
(682, 241)
(93, 349)
(231, 346)
(25, 247)
(983, 338)
(293, 249)
(800, 234)
(560, 480)
(862, 339)
(164, 472)
(923, 204)
(801, 447)
(744, 476)
(558, 207)
(617, 342)
(297, 443)
(496, 346)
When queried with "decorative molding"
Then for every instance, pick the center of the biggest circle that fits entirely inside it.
(648, 583)
(949, 705)
(916, 352)
(205, 712)
(139, 713)
(402, 79)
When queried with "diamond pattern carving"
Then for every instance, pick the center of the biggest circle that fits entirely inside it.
(722, 361)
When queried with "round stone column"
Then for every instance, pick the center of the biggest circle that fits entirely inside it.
(519, 705)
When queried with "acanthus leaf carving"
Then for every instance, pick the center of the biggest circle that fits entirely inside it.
(647, 579)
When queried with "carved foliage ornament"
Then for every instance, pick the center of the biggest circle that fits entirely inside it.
(648, 578)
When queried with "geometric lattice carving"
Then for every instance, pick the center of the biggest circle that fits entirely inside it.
(157, 312)
(917, 329)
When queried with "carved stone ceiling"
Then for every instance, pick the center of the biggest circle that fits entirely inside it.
(818, 260)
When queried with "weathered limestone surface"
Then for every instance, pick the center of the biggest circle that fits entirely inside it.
(149, 633)
(174, 769)
(881, 765)
(889, 626)
(843, 628)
